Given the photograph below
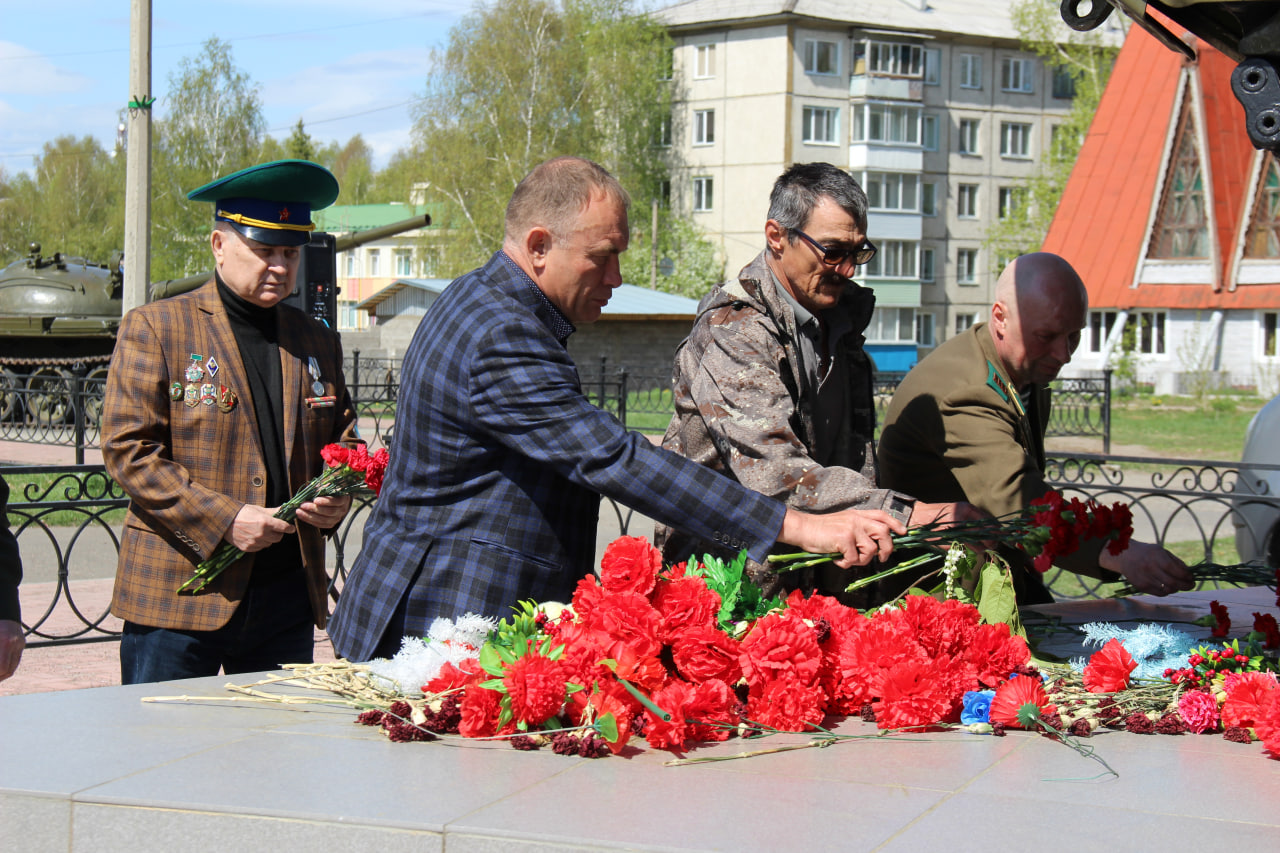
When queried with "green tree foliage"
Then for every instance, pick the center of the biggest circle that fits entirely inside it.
(352, 165)
(299, 145)
(526, 80)
(213, 125)
(72, 202)
(1088, 61)
(696, 266)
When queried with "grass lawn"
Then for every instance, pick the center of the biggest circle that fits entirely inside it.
(49, 488)
(1175, 427)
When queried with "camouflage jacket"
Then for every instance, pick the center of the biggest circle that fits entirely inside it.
(744, 406)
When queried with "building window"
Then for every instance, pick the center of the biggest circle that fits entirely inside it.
(895, 259)
(1147, 331)
(1269, 334)
(886, 123)
(704, 61)
(892, 191)
(664, 192)
(965, 321)
(374, 263)
(1010, 201)
(967, 266)
(887, 59)
(704, 127)
(924, 329)
(820, 125)
(1015, 75)
(662, 134)
(1100, 326)
(1263, 240)
(821, 57)
(932, 66)
(970, 71)
(929, 199)
(967, 201)
(968, 140)
(1015, 139)
(429, 262)
(929, 132)
(668, 69)
(703, 189)
(404, 262)
(926, 265)
(1064, 83)
(1181, 229)
(351, 264)
(892, 325)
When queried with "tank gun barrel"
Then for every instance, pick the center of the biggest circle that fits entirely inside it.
(345, 243)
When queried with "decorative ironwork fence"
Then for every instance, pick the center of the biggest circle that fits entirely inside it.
(54, 405)
(66, 519)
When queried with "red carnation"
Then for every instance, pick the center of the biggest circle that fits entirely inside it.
(673, 732)
(994, 652)
(335, 454)
(585, 597)
(706, 652)
(1019, 702)
(627, 619)
(780, 643)
(1248, 699)
(875, 649)
(1265, 624)
(710, 711)
(912, 695)
(1109, 669)
(630, 564)
(452, 677)
(480, 710)
(536, 686)
(685, 602)
(1223, 619)
(376, 470)
(786, 703)
(1268, 724)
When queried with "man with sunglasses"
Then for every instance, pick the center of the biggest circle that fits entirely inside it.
(773, 387)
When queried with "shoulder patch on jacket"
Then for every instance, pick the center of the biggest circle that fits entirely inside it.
(997, 383)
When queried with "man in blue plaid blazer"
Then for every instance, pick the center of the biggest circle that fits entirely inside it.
(499, 461)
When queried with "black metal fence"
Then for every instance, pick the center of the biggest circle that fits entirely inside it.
(53, 404)
(66, 519)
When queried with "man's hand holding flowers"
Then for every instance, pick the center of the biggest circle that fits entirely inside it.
(1149, 568)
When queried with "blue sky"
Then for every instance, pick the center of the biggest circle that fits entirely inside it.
(343, 67)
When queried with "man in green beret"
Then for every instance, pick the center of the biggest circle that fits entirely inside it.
(218, 403)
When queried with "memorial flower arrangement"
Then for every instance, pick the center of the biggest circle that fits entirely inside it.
(348, 470)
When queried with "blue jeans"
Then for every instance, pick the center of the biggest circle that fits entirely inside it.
(272, 626)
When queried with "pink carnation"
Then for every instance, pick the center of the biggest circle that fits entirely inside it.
(1199, 711)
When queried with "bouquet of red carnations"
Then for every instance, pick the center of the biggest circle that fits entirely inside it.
(1050, 528)
(348, 470)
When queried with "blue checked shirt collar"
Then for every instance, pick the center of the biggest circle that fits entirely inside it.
(558, 323)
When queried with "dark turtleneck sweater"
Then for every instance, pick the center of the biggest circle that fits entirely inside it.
(255, 330)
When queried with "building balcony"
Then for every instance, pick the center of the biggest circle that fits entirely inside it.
(887, 88)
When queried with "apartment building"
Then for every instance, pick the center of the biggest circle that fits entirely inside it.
(931, 104)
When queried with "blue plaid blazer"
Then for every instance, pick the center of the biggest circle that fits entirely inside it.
(497, 465)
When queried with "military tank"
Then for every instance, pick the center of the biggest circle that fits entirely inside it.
(59, 316)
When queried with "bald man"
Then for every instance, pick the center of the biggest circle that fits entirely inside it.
(968, 422)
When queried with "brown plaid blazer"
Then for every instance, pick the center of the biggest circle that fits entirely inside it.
(189, 469)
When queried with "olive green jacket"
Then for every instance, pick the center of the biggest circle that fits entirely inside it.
(957, 431)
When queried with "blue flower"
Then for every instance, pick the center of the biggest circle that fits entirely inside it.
(977, 707)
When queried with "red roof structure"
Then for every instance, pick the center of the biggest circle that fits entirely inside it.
(1169, 205)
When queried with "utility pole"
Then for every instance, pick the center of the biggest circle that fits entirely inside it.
(137, 196)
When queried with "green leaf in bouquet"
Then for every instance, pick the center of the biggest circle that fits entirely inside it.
(491, 660)
(607, 726)
(494, 684)
(996, 599)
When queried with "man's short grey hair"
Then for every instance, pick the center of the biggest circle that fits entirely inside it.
(797, 192)
(556, 193)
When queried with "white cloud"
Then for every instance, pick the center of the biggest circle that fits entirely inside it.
(25, 72)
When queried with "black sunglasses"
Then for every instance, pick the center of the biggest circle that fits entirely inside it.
(835, 257)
